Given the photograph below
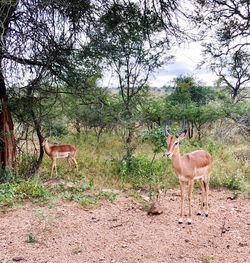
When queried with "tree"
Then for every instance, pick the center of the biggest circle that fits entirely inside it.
(226, 46)
(38, 42)
(230, 20)
(7, 141)
(122, 37)
(235, 114)
(193, 101)
(234, 74)
(99, 113)
(157, 138)
(153, 111)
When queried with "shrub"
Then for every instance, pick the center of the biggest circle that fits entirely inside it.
(20, 190)
(137, 172)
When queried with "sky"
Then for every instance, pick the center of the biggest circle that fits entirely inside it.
(187, 58)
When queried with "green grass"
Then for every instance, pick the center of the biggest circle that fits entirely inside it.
(31, 239)
(101, 167)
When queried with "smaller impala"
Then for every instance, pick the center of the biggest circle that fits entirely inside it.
(189, 167)
(59, 151)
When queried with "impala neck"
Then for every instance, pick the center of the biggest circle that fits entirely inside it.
(176, 159)
(47, 148)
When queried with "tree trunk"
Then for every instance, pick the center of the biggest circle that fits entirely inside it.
(159, 121)
(78, 126)
(130, 135)
(235, 93)
(150, 166)
(98, 133)
(39, 135)
(7, 139)
(191, 130)
(199, 131)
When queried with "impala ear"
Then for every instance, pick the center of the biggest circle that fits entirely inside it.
(182, 135)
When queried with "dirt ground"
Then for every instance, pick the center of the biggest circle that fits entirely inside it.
(120, 231)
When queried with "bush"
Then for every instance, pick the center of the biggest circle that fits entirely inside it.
(25, 164)
(7, 174)
(58, 129)
(20, 190)
(136, 171)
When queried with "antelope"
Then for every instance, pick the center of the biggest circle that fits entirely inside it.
(189, 167)
(59, 151)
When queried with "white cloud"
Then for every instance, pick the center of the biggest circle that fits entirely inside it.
(187, 58)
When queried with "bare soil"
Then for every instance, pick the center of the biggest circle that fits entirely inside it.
(121, 231)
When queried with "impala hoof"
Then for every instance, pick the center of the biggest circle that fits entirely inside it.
(189, 222)
(199, 213)
(206, 214)
(180, 221)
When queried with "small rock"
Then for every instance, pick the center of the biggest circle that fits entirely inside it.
(154, 210)
(70, 185)
(94, 219)
(146, 198)
(17, 259)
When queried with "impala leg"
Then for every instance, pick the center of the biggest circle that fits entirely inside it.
(190, 189)
(207, 191)
(201, 183)
(69, 160)
(53, 166)
(182, 201)
(74, 160)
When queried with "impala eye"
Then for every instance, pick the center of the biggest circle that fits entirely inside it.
(175, 143)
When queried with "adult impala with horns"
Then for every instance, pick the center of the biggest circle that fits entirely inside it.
(189, 167)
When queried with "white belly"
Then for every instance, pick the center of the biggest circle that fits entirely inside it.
(183, 178)
(198, 177)
(199, 173)
(63, 155)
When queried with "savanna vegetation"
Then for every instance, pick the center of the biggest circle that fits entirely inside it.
(53, 55)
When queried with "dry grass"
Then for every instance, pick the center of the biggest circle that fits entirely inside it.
(100, 162)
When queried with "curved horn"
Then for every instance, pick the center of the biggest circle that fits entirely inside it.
(166, 128)
(182, 129)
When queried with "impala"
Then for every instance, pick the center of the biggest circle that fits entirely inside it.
(189, 167)
(59, 151)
